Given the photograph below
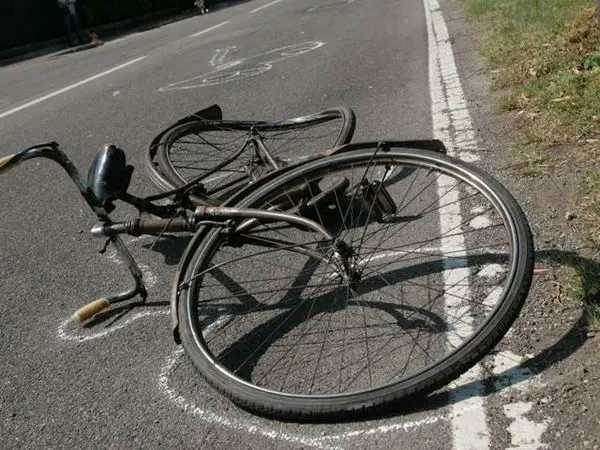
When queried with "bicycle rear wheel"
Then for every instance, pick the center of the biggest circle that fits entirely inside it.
(439, 260)
(219, 149)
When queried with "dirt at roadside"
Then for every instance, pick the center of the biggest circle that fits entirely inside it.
(551, 330)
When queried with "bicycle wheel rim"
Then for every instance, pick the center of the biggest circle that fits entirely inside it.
(482, 336)
(194, 148)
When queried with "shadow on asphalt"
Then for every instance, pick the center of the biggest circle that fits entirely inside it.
(172, 248)
(185, 13)
(567, 345)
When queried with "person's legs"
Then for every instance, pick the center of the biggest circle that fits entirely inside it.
(68, 27)
(78, 33)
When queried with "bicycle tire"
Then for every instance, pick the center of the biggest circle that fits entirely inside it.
(490, 321)
(225, 137)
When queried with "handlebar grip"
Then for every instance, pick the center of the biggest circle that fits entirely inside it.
(155, 226)
(4, 162)
(83, 314)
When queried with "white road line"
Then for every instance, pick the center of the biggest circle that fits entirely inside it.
(470, 429)
(214, 27)
(264, 6)
(70, 87)
(124, 38)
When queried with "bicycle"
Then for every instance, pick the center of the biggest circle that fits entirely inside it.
(333, 285)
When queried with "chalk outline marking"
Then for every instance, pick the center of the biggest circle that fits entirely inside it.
(253, 70)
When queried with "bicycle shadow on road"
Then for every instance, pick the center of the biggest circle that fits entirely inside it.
(588, 270)
(172, 248)
(589, 273)
(517, 372)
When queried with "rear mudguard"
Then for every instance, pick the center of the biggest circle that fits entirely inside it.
(424, 144)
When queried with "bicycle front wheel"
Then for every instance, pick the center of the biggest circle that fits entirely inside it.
(436, 263)
(220, 150)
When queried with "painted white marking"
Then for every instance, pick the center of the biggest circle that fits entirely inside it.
(524, 434)
(235, 70)
(225, 52)
(469, 429)
(264, 6)
(480, 222)
(70, 87)
(214, 27)
(452, 125)
(511, 375)
(314, 8)
(469, 156)
(491, 270)
(65, 334)
(124, 38)
(492, 298)
(116, 93)
(456, 290)
(220, 55)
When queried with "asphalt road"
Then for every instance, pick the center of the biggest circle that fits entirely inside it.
(124, 383)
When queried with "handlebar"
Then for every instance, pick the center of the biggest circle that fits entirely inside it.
(138, 227)
(5, 162)
(52, 151)
(48, 150)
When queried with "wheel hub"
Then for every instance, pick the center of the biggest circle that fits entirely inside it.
(344, 253)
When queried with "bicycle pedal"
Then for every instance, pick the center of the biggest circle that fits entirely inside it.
(377, 200)
(331, 189)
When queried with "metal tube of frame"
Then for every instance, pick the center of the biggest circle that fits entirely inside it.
(265, 152)
(133, 268)
(222, 212)
(52, 151)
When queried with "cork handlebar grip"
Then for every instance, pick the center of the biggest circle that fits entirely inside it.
(4, 162)
(90, 309)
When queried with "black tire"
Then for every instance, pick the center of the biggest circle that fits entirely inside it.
(209, 143)
(477, 270)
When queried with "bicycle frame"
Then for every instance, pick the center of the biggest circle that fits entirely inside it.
(173, 218)
(216, 216)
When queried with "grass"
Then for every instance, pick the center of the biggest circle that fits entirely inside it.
(583, 284)
(544, 56)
